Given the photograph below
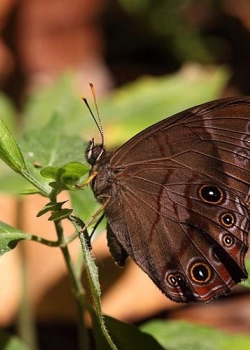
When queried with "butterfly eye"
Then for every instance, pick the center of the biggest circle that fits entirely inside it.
(94, 152)
(200, 272)
(210, 194)
(228, 220)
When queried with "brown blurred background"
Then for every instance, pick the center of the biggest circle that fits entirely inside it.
(109, 43)
(119, 41)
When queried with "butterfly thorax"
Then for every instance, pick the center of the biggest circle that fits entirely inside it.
(98, 157)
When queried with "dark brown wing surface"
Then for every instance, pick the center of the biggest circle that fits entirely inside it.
(179, 201)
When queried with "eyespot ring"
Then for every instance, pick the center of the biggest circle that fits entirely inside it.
(175, 279)
(200, 272)
(228, 240)
(227, 219)
(211, 194)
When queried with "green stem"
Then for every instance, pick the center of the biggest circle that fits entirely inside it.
(45, 241)
(50, 243)
(26, 317)
(76, 287)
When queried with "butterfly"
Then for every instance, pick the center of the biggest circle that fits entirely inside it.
(176, 199)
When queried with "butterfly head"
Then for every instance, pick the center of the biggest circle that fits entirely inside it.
(99, 175)
(94, 152)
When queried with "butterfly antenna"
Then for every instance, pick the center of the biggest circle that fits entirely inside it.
(97, 120)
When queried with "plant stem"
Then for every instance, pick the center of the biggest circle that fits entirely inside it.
(77, 289)
(25, 320)
(45, 241)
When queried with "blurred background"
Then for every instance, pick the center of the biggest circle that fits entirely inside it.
(115, 42)
(147, 60)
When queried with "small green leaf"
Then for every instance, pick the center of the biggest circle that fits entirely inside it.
(30, 191)
(58, 186)
(61, 214)
(10, 236)
(68, 174)
(10, 152)
(51, 207)
(50, 172)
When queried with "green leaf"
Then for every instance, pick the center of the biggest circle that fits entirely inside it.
(10, 236)
(11, 342)
(51, 145)
(68, 174)
(58, 186)
(176, 335)
(58, 213)
(51, 207)
(56, 149)
(30, 191)
(13, 157)
(125, 336)
(9, 151)
(61, 214)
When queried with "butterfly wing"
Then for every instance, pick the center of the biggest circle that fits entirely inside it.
(179, 200)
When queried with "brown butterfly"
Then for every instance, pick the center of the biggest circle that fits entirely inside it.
(176, 199)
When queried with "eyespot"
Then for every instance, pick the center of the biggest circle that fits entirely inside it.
(227, 219)
(228, 240)
(175, 279)
(211, 194)
(200, 272)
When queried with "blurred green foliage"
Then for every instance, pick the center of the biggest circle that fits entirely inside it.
(185, 336)
(171, 21)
